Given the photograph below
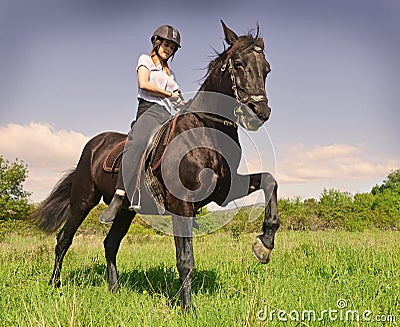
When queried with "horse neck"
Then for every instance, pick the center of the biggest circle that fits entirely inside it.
(218, 83)
(214, 100)
(214, 94)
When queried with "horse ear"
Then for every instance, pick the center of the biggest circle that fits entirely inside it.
(230, 36)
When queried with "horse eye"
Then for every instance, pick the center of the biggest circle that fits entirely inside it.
(238, 64)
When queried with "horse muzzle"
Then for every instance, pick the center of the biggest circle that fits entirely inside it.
(252, 115)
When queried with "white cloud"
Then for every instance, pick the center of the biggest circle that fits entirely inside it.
(47, 152)
(300, 170)
(301, 164)
(306, 170)
(41, 146)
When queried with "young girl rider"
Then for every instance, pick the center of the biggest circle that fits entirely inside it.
(158, 92)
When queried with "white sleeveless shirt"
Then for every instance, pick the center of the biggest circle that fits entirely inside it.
(158, 77)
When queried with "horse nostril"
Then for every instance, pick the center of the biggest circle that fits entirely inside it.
(252, 106)
(261, 109)
(265, 112)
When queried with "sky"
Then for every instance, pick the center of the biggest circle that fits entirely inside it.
(67, 73)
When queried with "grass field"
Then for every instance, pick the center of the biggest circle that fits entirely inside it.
(326, 277)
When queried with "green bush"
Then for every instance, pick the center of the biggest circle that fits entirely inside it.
(333, 210)
(341, 210)
(392, 182)
(386, 207)
(335, 207)
(13, 198)
(297, 215)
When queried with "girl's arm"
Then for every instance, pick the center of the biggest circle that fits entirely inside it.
(144, 83)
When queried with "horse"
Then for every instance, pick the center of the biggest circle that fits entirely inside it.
(238, 73)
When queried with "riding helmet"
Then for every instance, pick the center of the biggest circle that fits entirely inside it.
(166, 32)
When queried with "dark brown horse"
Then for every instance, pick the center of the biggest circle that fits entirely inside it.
(202, 167)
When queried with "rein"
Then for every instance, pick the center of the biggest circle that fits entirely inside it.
(214, 117)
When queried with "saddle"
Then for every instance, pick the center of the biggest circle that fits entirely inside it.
(153, 157)
(112, 162)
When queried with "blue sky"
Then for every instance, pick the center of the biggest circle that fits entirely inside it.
(68, 73)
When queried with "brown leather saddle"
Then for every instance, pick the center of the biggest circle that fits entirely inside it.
(112, 162)
(153, 157)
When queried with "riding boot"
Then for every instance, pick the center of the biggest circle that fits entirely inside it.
(109, 214)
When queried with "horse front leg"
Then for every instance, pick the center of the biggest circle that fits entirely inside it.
(264, 243)
(244, 185)
(182, 227)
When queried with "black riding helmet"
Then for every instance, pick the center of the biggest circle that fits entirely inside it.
(166, 32)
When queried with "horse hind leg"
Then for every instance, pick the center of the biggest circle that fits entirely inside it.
(112, 242)
(61, 248)
(77, 213)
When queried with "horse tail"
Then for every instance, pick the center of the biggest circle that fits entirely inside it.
(52, 212)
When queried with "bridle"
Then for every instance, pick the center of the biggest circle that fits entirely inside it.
(242, 100)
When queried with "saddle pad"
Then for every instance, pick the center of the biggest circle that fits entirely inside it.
(160, 137)
(112, 162)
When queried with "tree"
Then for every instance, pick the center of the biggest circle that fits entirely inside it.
(13, 198)
(335, 206)
(392, 182)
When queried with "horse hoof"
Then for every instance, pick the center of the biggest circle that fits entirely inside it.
(55, 283)
(261, 252)
(114, 288)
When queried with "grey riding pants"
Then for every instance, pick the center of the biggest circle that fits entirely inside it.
(150, 118)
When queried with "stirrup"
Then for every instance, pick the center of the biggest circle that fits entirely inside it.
(135, 205)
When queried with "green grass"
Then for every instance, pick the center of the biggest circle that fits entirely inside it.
(308, 271)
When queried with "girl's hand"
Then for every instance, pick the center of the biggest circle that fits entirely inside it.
(175, 96)
(176, 99)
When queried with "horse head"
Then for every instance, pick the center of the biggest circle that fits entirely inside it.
(244, 71)
(245, 61)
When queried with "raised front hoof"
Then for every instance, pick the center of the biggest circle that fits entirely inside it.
(261, 252)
